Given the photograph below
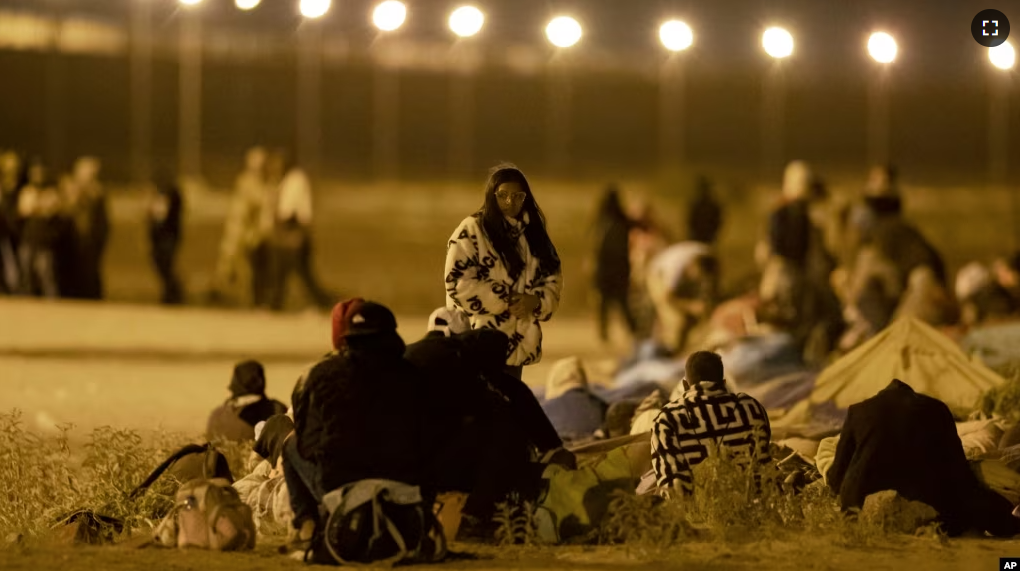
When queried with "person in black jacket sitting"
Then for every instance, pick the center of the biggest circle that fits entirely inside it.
(359, 413)
(487, 423)
(247, 406)
(907, 442)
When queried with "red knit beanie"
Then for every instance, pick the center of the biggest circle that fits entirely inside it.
(341, 316)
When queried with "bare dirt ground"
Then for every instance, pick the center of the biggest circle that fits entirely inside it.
(148, 367)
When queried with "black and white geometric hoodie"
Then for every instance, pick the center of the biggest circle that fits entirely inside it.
(479, 285)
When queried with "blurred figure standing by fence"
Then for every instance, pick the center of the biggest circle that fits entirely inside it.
(85, 205)
(244, 251)
(10, 185)
(290, 208)
(39, 208)
(612, 262)
(165, 216)
(705, 218)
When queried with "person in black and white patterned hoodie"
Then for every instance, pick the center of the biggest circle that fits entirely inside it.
(502, 269)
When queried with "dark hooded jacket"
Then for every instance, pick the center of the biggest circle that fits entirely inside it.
(907, 442)
(362, 413)
(247, 406)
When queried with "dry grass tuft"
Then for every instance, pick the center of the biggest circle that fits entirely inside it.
(42, 478)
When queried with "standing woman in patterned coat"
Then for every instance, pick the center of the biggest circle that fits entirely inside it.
(502, 269)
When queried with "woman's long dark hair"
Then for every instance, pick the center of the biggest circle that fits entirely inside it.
(497, 229)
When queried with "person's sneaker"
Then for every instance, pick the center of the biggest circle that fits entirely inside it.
(299, 541)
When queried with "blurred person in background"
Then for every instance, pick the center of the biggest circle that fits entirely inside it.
(982, 299)
(683, 285)
(502, 268)
(704, 217)
(648, 237)
(247, 406)
(86, 206)
(166, 209)
(245, 237)
(1006, 271)
(612, 262)
(10, 222)
(39, 207)
(795, 290)
(290, 209)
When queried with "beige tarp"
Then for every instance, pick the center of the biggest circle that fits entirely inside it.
(914, 353)
(908, 350)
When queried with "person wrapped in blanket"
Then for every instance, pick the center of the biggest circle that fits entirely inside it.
(264, 489)
(707, 415)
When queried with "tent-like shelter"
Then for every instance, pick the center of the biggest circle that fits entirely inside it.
(908, 350)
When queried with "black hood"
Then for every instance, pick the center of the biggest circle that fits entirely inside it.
(249, 379)
(485, 348)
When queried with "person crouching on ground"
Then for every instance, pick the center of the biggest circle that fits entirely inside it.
(359, 413)
(247, 406)
(907, 442)
(707, 415)
(489, 425)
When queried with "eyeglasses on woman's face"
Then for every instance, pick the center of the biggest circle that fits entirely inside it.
(510, 197)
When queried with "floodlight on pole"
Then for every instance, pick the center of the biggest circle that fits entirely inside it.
(882, 47)
(466, 21)
(246, 4)
(1002, 56)
(676, 36)
(389, 15)
(563, 31)
(314, 8)
(777, 42)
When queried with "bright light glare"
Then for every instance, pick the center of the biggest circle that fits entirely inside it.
(676, 36)
(246, 4)
(314, 8)
(190, 2)
(882, 47)
(563, 31)
(466, 21)
(1003, 56)
(777, 42)
(389, 15)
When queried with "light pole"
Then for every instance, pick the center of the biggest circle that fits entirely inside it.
(778, 44)
(388, 16)
(309, 91)
(676, 36)
(55, 94)
(1003, 59)
(465, 22)
(141, 91)
(563, 32)
(883, 49)
(189, 134)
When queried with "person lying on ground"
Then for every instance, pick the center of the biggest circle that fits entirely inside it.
(574, 410)
(707, 415)
(908, 442)
(359, 413)
(247, 406)
(488, 425)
